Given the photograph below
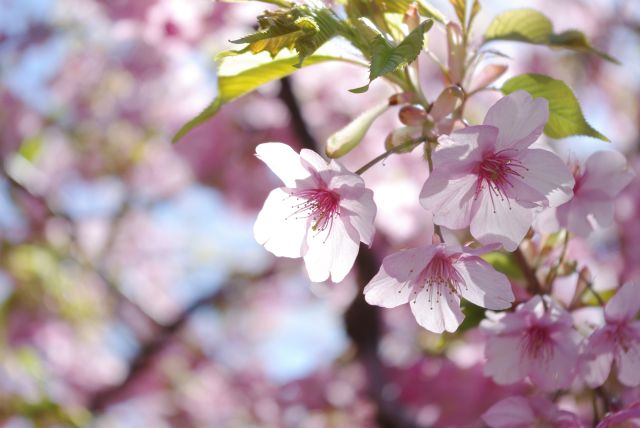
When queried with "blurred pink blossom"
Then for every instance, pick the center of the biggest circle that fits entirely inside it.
(617, 341)
(597, 183)
(536, 341)
(520, 412)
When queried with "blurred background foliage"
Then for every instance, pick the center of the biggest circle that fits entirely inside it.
(131, 290)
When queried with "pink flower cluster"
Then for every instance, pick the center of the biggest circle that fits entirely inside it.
(488, 178)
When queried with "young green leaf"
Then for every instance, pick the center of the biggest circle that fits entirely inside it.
(428, 11)
(302, 28)
(565, 115)
(386, 58)
(241, 74)
(347, 138)
(531, 26)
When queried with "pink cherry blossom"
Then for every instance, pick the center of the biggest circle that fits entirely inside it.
(597, 183)
(321, 214)
(521, 412)
(488, 177)
(617, 341)
(432, 279)
(537, 341)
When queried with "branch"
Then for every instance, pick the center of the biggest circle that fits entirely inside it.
(362, 321)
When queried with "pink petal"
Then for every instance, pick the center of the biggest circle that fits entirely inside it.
(557, 371)
(504, 363)
(574, 216)
(450, 199)
(629, 364)
(595, 370)
(277, 228)
(440, 314)
(606, 171)
(548, 174)
(512, 412)
(392, 285)
(283, 161)
(483, 285)
(331, 252)
(360, 213)
(519, 118)
(500, 220)
(625, 304)
(461, 148)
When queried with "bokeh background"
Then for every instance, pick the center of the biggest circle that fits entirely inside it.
(132, 293)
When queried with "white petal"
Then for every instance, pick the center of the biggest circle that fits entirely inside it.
(500, 220)
(440, 314)
(606, 171)
(283, 161)
(332, 252)
(277, 229)
(450, 199)
(625, 304)
(629, 364)
(519, 118)
(360, 212)
(548, 174)
(484, 286)
(392, 285)
(504, 363)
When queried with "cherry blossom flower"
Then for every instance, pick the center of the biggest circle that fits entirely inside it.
(536, 341)
(432, 279)
(617, 341)
(521, 412)
(321, 214)
(489, 178)
(597, 183)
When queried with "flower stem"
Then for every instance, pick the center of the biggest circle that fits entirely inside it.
(384, 155)
(534, 286)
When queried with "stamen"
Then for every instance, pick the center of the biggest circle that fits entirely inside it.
(439, 277)
(536, 341)
(496, 172)
(321, 205)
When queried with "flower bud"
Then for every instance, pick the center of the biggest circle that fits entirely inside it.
(412, 115)
(456, 58)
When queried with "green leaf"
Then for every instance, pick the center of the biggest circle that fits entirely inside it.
(302, 28)
(504, 263)
(240, 74)
(281, 3)
(531, 26)
(386, 58)
(428, 11)
(565, 116)
(460, 7)
(347, 138)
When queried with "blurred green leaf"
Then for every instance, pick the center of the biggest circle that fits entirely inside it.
(347, 138)
(531, 26)
(30, 148)
(387, 58)
(241, 74)
(565, 115)
(505, 263)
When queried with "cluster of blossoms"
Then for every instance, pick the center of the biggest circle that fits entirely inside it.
(491, 179)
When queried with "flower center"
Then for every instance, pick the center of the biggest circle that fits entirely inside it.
(536, 341)
(321, 205)
(496, 172)
(438, 277)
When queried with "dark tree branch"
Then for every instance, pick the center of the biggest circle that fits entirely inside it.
(362, 321)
